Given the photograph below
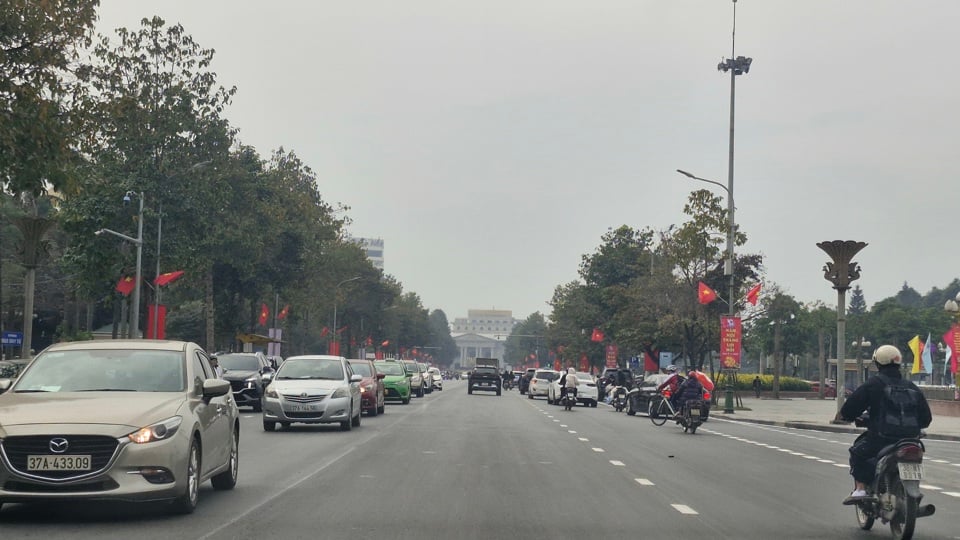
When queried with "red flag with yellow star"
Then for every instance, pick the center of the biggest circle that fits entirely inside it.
(125, 285)
(264, 314)
(705, 294)
(168, 277)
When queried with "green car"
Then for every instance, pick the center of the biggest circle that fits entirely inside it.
(396, 382)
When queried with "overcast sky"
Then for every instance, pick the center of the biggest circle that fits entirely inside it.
(491, 144)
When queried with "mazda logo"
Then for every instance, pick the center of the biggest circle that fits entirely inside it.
(59, 445)
(304, 394)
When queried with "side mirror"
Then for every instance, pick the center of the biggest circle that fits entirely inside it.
(356, 378)
(214, 388)
(267, 377)
(381, 375)
(5, 385)
(409, 375)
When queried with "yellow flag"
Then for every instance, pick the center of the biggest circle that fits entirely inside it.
(914, 345)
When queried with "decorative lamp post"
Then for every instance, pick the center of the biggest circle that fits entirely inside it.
(841, 272)
(860, 344)
(335, 288)
(134, 327)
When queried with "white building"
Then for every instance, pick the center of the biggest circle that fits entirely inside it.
(373, 247)
(482, 334)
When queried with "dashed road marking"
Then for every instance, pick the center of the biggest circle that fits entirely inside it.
(939, 460)
(684, 509)
(934, 488)
(828, 461)
(841, 465)
(643, 482)
(951, 493)
(584, 439)
(571, 431)
(598, 450)
(616, 463)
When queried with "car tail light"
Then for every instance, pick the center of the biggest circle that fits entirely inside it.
(910, 452)
(706, 395)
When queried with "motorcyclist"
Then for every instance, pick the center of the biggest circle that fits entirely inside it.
(568, 383)
(689, 389)
(870, 397)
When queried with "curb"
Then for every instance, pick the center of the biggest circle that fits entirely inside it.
(826, 427)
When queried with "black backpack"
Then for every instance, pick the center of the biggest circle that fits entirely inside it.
(899, 409)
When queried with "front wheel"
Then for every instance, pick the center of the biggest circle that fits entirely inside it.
(902, 525)
(187, 502)
(658, 412)
(228, 478)
(864, 518)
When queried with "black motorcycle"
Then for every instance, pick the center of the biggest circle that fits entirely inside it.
(692, 416)
(895, 490)
(619, 398)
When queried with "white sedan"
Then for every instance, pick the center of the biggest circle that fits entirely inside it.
(437, 378)
(540, 383)
(586, 390)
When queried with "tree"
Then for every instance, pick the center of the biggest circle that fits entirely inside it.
(527, 341)
(444, 347)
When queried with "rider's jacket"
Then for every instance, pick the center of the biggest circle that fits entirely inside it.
(689, 389)
(869, 397)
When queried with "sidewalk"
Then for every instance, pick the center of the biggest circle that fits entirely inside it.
(816, 414)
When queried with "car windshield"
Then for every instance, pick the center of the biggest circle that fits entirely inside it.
(388, 368)
(584, 377)
(362, 368)
(487, 369)
(411, 367)
(239, 362)
(311, 368)
(546, 375)
(108, 370)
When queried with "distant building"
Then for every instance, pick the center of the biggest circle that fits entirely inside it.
(373, 247)
(482, 334)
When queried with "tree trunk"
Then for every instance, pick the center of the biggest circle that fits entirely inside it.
(776, 360)
(210, 338)
(821, 364)
(29, 282)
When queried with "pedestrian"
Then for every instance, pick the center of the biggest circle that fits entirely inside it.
(217, 370)
(757, 385)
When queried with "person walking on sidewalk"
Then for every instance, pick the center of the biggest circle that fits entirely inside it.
(871, 396)
(757, 385)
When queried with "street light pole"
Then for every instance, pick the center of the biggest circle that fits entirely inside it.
(156, 299)
(728, 263)
(138, 241)
(335, 288)
(736, 65)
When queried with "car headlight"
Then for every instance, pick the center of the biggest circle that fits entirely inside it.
(342, 392)
(272, 392)
(251, 381)
(157, 432)
(367, 389)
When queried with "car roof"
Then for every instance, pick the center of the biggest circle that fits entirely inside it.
(121, 344)
(316, 357)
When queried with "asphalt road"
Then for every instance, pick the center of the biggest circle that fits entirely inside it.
(451, 465)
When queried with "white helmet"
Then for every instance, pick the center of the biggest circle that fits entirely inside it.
(571, 370)
(887, 354)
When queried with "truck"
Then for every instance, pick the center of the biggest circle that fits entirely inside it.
(485, 376)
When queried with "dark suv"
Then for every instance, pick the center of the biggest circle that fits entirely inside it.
(248, 374)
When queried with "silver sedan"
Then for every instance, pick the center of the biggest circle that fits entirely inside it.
(313, 389)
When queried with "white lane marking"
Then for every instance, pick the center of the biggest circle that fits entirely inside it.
(584, 439)
(598, 450)
(934, 488)
(939, 460)
(810, 457)
(616, 463)
(684, 509)
(563, 425)
(571, 431)
(825, 460)
(555, 420)
(643, 481)
(429, 452)
(841, 465)
(951, 493)
(783, 450)
(796, 453)
(545, 462)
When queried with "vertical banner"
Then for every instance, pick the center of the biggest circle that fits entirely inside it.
(271, 332)
(730, 334)
(334, 348)
(161, 319)
(278, 335)
(584, 363)
(611, 356)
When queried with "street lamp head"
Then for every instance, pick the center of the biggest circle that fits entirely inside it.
(952, 306)
(99, 232)
(126, 198)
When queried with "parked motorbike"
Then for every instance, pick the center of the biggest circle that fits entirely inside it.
(692, 416)
(895, 490)
(619, 398)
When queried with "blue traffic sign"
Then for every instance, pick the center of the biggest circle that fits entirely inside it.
(12, 338)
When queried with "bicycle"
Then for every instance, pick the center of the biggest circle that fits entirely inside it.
(661, 410)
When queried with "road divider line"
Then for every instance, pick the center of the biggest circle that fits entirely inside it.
(598, 450)
(643, 482)
(584, 439)
(951, 493)
(571, 431)
(617, 463)
(684, 509)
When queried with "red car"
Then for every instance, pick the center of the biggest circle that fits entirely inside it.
(372, 393)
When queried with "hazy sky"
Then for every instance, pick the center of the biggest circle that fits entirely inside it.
(491, 144)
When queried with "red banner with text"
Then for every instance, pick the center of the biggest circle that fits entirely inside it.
(611, 356)
(731, 333)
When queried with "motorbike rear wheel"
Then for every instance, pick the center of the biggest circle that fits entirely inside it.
(864, 517)
(903, 524)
